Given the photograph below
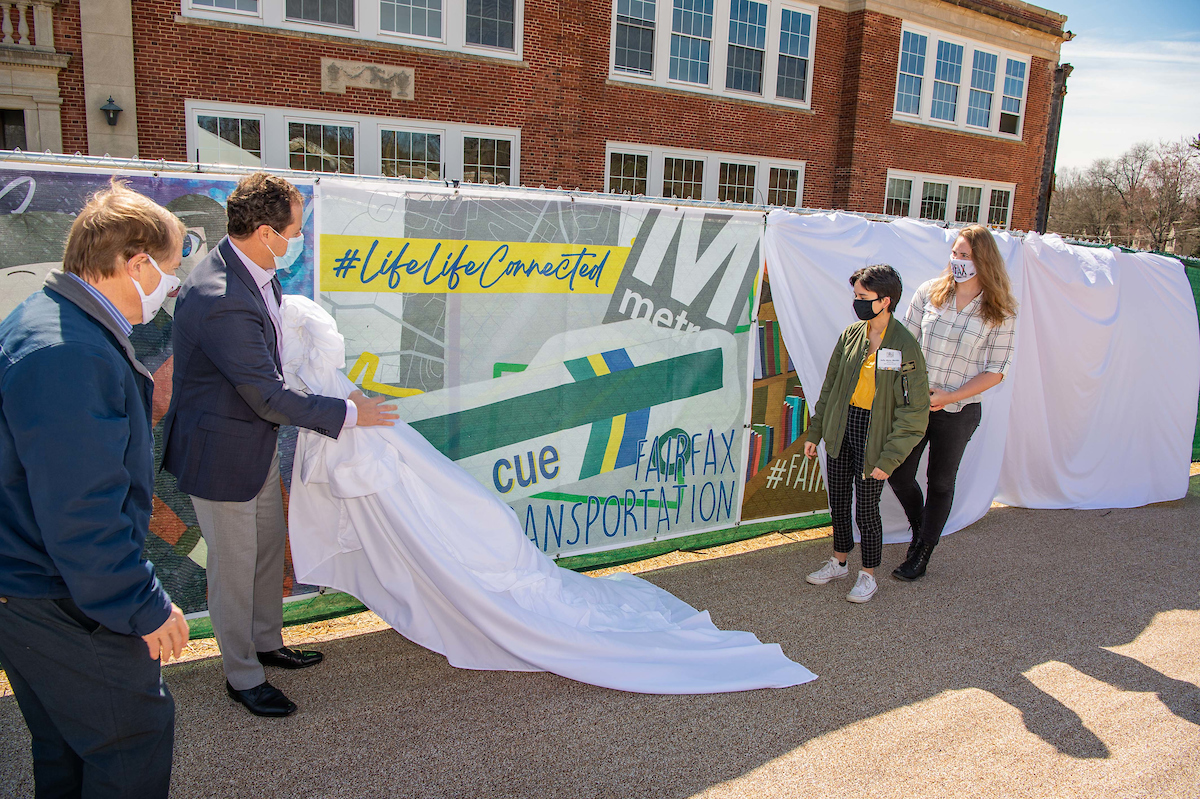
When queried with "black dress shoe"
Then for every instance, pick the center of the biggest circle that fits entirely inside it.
(916, 564)
(263, 700)
(286, 658)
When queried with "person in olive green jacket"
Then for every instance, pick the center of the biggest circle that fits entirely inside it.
(873, 410)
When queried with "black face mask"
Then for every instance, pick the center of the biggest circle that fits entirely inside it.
(864, 309)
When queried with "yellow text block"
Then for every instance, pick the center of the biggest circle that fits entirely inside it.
(437, 266)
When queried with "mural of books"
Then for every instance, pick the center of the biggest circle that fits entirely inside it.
(780, 480)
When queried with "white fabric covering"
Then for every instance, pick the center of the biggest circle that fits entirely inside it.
(1105, 374)
(1105, 383)
(809, 262)
(381, 514)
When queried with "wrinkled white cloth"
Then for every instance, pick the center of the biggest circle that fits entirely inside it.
(1104, 388)
(382, 515)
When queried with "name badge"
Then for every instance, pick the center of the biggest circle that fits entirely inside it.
(888, 359)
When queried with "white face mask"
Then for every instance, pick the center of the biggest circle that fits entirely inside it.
(153, 301)
(294, 248)
(963, 269)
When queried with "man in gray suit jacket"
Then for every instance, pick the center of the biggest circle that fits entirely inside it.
(220, 434)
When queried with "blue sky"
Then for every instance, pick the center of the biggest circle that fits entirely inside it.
(1136, 78)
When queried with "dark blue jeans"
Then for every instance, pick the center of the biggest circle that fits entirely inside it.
(102, 720)
(947, 437)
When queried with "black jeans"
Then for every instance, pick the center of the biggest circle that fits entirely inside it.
(947, 437)
(102, 720)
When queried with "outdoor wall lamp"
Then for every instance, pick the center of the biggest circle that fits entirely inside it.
(111, 111)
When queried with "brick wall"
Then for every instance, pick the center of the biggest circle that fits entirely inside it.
(70, 80)
(566, 108)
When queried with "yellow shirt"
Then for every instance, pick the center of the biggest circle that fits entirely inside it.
(864, 392)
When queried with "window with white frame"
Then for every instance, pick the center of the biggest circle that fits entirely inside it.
(784, 187)
(795, 35)
(938, 71)
(229, 140)
(702, 175)
(633, 41)
(487, 160)
(325, 12)
(491, 23)
(319, 147)
(948, 199)
(683, 178)
(733, 48)
(628, 173)
(998, 209)
(747, 46)
(736, 183)
(249, 6)
(983, 87)
(967, 210)
(691, 40)
(899, 196)
(286, 138)
(933, 199)
(492, 28)
(412, 17)
(1014, 92)
(912, 73)
(410, 154)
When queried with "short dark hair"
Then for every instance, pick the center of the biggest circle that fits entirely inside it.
(881, 279)
(261, 199)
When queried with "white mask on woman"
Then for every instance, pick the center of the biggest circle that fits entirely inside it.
(963, 269)
(153, 301)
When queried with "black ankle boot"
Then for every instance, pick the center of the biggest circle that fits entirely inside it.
(915, 566)
(912, 545)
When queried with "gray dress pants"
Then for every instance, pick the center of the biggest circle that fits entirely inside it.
(246, 543)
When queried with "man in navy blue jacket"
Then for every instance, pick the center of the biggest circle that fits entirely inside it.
(220, 434)
(84, 621)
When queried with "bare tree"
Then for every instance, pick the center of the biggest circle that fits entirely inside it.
(1149, 197)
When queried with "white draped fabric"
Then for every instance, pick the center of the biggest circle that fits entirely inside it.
(1104, 402)
(382, 515)
(1104, 379)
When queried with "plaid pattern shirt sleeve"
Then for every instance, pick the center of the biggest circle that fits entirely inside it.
(999, 347)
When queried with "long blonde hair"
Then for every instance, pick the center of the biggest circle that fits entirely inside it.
(996, 301)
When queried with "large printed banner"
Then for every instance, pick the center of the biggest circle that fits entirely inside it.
(586, 360)
(593, 362)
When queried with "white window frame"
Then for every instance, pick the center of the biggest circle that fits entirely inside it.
(418, 127)
(367, 144)
(661, 70)
(367, 26)
(194, 126)
(964, 85)
(308, 118)
(918, 184)
(712, 168)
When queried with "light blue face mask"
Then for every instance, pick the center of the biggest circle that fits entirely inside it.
(294, 248)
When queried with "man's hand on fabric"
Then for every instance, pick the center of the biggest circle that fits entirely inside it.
(372, 412)
(170, 639)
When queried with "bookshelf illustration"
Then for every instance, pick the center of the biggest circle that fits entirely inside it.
(780, 480)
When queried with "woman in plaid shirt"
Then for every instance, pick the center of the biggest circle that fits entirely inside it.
(963, 320)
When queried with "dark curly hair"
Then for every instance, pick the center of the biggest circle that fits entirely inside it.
(261, 199)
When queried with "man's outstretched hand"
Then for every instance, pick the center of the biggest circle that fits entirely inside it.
(372, 412)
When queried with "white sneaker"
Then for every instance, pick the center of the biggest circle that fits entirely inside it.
(832, 570)
(863, 590)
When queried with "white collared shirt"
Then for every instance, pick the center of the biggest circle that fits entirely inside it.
(262, 278)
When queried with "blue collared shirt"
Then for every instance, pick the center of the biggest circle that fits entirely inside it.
(118, 317)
